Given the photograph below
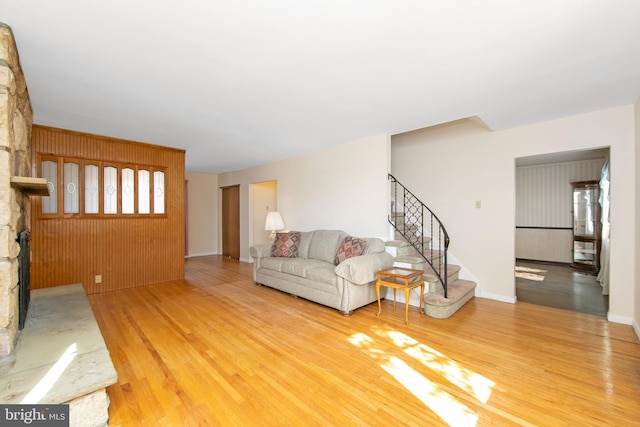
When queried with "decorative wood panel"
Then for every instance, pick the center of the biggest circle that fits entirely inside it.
(125, 252)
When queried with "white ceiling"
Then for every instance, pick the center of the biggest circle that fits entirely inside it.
(243, 82)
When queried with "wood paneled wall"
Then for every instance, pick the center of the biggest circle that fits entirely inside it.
(126, 252)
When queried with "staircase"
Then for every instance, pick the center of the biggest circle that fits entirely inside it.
(421, 242)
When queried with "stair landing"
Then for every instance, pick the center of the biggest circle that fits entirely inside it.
(459, 291)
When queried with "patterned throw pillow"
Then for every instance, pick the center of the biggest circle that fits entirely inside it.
(350, 247)
(286, 245)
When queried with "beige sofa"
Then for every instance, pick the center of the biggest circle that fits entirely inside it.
(313, 275)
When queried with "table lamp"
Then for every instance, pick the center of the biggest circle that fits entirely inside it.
(274, 223)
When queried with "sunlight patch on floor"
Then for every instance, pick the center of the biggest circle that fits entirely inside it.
(49, 380)
(431, 394)
(527, 273)
(474, 384)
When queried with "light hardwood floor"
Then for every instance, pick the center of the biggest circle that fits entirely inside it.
(215, 349)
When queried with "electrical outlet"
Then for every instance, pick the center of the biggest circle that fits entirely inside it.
(98, 278)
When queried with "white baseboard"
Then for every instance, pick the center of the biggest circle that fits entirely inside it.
(249, 260)
(502, 298)
(203, 254)
(636, 328)
(620, 319)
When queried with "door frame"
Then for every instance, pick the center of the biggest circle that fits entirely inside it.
(230, 219)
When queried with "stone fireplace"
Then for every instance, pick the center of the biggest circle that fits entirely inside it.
(16, 119)
(60, 327)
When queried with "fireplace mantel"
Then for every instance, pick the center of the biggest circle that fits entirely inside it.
(30, 185)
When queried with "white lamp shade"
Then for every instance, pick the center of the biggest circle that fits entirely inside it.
(274, 222)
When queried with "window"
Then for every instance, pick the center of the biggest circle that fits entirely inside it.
(143, 192)
(71, 189)
(158, 192)
(128, 193)
(110, 190)
(91, 195)
(50, 173)
(101, 190)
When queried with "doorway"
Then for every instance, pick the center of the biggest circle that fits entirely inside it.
(545, 232)
(231, 222)
(264, 199)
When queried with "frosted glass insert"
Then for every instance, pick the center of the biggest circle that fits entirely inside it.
(91, 196)
(128, 194)
(50, 173)
(71, 193)
(158, 192)
(143, 192)
(110, 190)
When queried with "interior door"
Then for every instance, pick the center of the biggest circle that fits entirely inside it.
(231, 222)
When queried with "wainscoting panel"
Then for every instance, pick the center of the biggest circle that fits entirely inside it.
(124, 252)
(545, 244)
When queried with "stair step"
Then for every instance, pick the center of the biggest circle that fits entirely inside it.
(397, 215)
(414, 262)
(406, 256)
(399, 248)
(431, 277)
(403, 248)
(398, 243)
(459, 293)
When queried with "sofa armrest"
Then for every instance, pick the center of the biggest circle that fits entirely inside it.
(364, 268)
(260, 251)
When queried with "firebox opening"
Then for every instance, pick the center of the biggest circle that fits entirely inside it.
(24, 279)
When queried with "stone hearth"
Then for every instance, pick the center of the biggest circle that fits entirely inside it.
(61, 357)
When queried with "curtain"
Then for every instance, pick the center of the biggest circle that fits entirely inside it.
(603, 275)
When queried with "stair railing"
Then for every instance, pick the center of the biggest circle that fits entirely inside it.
(409, 217)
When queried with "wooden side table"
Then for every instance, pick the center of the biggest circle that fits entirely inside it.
(400, 278)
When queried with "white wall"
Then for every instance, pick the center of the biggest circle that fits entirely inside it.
(265, 199)
(636, 317)
(344, 187)
(203, 214)
(452, 166)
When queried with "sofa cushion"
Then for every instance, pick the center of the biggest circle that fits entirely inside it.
(305, 241)
(374, 245)
(294, 266)
(286, 245)
(324, 273)
(350, 247)
(324, 244)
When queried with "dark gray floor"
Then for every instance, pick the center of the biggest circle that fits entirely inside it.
(559, 286)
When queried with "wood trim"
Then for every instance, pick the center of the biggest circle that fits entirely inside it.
(186, 217)
(543, 228)
(67, 132)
